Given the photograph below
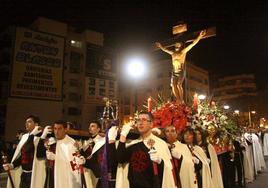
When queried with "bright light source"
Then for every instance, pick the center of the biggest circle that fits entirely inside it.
(72, 41)
(236, 111)
(136, 67)
(201, 97)
(261, 125)
(253, 112)
(226, 107)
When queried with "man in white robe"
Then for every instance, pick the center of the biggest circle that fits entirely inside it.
(66, 173)
(28, 170)
(258, 158)
(247, 161)
(265, 144)
(93, 150)
(146, 155)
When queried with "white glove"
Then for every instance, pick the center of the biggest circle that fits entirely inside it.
(46, 131)
(208, 161)
(154, 156)
(195, 160)
(112, 133)
(8, 166)
(80, 160)
(36, 131)
(175, 154)
(126, 128)
(78, 145)
(156, 131)
(50, 155)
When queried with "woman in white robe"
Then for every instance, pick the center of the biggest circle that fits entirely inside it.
(179, 151)
(199, 158)
(212, 158)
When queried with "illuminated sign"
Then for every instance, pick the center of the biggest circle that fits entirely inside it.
(37, 65)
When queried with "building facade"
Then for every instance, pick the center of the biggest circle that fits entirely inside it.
(55, 73)
(240, 93)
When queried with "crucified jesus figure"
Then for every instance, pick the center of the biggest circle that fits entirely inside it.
(178, 59)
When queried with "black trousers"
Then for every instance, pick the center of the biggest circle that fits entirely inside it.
(111, 184)
(25, 180)
(238, 164)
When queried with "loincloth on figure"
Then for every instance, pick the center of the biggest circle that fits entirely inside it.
(177, 78)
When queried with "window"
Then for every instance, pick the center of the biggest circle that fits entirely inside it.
(77, 44)
(73, 83)
(91, 91)
(102, 83)
(75, 61)
(111, 84)
(91, 81)
(102, 92)
(73, 111)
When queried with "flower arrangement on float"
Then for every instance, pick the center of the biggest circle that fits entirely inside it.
(169, 113)
(219, 125)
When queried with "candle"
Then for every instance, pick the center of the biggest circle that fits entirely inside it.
(149, 105)
(195, 101)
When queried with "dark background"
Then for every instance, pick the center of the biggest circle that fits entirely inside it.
(242, 28)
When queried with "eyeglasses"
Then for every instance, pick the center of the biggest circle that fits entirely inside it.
(142, 120)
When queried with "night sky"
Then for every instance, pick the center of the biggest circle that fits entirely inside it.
(241, 44)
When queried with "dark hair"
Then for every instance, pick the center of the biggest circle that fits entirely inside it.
(203, 136)
(190, 130)
(150, 115)
(61, 122)
(34, 118)
(96, 122)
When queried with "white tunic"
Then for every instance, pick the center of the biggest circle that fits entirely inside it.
(248, 162)
(187, 171)
(206, 173)
(65, 177)
(265, 144)
(215, 168)
(91, 180)
(38, 169)
(258, 158)
(162, 149)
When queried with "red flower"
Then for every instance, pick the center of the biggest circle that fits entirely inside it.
(171, 113)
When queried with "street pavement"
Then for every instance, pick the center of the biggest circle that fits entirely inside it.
(261, 180)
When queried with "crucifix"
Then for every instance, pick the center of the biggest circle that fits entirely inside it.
(178, 55)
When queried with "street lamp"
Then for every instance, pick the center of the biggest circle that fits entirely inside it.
(236, 112)
(201, 97)
(135, 69)
(226, 107)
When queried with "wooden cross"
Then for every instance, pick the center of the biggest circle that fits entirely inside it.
(182, 36)
(179, 54)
